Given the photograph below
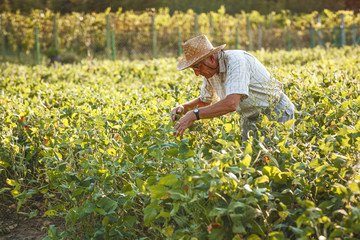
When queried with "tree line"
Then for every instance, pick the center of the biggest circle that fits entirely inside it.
(199, 6)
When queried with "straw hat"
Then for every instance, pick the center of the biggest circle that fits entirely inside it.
(195, 50)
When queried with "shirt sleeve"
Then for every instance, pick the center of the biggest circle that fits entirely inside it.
(238, 76)
(207, 93)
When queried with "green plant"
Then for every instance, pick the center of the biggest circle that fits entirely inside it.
(92, 142)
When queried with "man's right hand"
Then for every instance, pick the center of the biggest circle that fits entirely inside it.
(175, 111)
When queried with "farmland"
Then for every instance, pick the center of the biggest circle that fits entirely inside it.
(92, 144)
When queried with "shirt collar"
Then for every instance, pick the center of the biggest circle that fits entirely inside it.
(222, 63)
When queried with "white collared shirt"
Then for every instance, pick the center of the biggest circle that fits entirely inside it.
(241, 73)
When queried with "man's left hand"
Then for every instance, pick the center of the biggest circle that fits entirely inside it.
(186, 121)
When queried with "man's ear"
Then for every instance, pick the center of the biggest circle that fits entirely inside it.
(213, 58)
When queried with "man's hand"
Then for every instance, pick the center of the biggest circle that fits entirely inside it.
(175, 111)
(184, 122)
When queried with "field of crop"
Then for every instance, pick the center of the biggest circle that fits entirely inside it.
(92, 144)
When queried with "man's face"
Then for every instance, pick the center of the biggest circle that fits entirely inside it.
(206, 68)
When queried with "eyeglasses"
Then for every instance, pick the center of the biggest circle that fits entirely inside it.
(197, 67)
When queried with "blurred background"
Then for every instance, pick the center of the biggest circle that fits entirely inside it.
(199, 6)
(44, 31)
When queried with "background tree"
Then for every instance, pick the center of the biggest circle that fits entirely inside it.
(232, 6)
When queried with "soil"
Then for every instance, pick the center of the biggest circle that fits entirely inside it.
(22, 229)
(14, 226)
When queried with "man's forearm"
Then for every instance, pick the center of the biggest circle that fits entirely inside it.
(194, 103)
(227, 105)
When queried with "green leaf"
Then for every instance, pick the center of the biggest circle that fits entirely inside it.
(222, 141)
(184, 147)
(77, 192)
(158, 191)
(217, 211)
(233, 205)
(89, 207)
(190, 153)
(354, 187)
(52, 230)
(283, 215)
(228, 127)
(140, 184)
(357, 101)
(218, 233)
(15, 193)
(177, 194)
(175, 209)
(168, 180)
(308, 204)
(65, 122)
(130, 150)
(289, 124)
(270, 171)
(251, 237)
(130, 220)
(337, 232)
(4, 164)
(50, 213)
(262, 179)
(237, 220)
(44, 189)
(281, 177)
(111, 152)
(248, 148)
(173, 152)
(105, 221)
(10, 182)
(149, 215)
(326, 205)
(297, 231)
(107, 204)
(322, 168)
(315, 163)
(100, 211)
(168, 231)
(339, 189)
(339, 162)
(276, 236)
(34, 214)
(257, 228)
(246, 160)
(2, 190)
(164, 215)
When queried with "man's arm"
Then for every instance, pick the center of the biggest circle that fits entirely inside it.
(194, 103)
(184, 108)
(229, 104)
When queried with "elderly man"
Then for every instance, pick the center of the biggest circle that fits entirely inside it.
(240, 81)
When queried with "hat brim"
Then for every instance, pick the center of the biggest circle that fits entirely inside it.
(183, 63)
